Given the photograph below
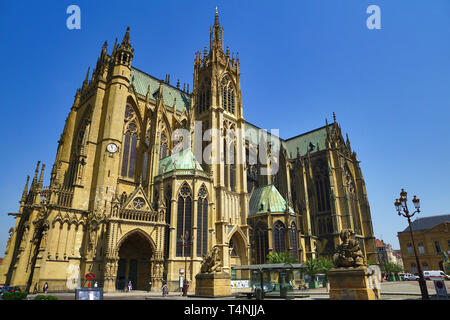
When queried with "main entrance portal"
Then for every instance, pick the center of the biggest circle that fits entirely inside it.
(135, 255)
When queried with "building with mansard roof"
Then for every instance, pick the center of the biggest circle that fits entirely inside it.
(127, 203)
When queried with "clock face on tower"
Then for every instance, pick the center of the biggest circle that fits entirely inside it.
(112, 147)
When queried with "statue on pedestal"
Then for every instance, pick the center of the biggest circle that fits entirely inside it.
(211, 262)
(348, 253)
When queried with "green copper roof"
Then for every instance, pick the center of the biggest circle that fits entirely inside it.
(183, 160)
(142, 80)
(265, 199)
(313, 141)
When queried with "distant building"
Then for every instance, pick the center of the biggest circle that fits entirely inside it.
(398, 256)
(385, 253)
(431, 237)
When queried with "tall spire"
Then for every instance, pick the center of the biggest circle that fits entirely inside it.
(126, 38)
(124, 52)
(41, 177)
(86, 80)
(34, 182)
(217, 32)
(25, 190)
(216, 20)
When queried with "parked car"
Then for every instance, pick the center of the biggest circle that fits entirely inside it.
(435, 275)
(10, 289)
(410, 276)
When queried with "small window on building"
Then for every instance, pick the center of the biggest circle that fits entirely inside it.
(437, 245)
(410, 249)
(425, 266)
(421, 248)
(413, 268)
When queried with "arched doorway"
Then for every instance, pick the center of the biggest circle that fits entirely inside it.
(135, 253)
(238, 255)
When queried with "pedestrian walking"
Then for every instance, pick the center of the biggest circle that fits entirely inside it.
(35, 288)
(45, 288)
(95, 284)
(130, 286)
(149, 286)
(165, 290)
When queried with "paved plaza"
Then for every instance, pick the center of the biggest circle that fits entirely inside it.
(404, 290)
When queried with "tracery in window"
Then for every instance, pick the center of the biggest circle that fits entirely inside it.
(130, 143)
(164, 147)
(146, 155)
(202, 222)
(203, 99)
(279, 231)
(184, 222)
(228, 94)
(322, 184)
(261, 240)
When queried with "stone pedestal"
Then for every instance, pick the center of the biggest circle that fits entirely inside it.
(215, 284)
(350, 284)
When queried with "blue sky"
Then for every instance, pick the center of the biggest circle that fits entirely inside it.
(300, 62)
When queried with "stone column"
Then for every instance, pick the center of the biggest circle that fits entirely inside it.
(110, 274)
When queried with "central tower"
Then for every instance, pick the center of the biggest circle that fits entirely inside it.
(217, 105)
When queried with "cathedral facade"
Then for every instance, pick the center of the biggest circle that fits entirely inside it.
(131, 199)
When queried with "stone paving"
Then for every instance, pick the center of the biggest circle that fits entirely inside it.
(402, 290)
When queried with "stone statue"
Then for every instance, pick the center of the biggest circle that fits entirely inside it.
(348, 253)
(211, 262)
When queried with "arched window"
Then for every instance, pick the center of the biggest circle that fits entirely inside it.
(351, 191)
(146, 152)
(322, 184)
(184, 222)
(130, 143)
(232, 246)
(227, 90)
(203, 98)
(202, 223)
(164, 147)
(230, 159)
(279, 232)
(329, 225)
(232, 165)
(79, 154)
(168, 200)
(261, 242)
(293, 238)
(252, 169)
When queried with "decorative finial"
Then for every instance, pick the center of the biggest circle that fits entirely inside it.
(334, 117)
(217, 12)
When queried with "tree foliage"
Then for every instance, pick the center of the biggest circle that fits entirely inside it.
(281, 257)
(14, 295)
(326, 265)
(390, 267)
(312, 267)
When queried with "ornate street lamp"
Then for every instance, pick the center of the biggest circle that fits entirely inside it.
(402, 208)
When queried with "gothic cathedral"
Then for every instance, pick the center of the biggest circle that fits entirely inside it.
(126, 203)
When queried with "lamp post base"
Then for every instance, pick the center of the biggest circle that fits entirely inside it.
(423, 289)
